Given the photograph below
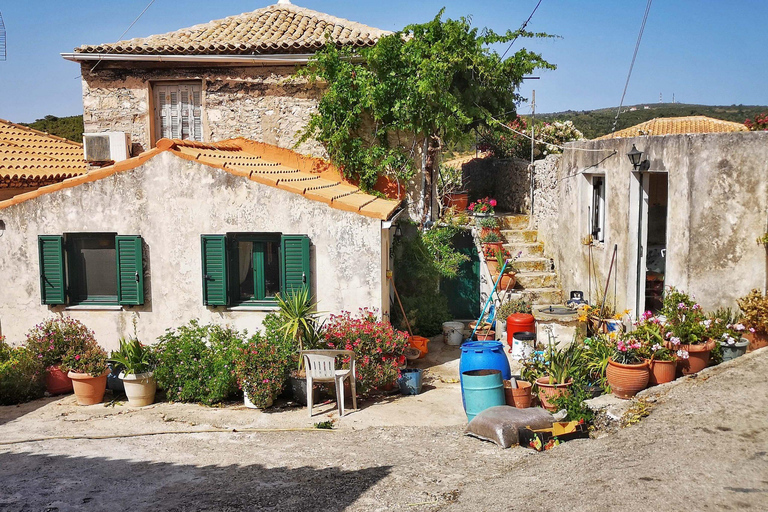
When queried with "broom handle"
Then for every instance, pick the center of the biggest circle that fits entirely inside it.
(401, 307)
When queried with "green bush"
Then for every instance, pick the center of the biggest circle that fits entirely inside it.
(51, 340)
(21, 375)
(426, 314)
(195, 363)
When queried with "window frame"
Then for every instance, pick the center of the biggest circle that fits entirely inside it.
(233, 239)
(598, 202)
(73, 273)
(156, 118)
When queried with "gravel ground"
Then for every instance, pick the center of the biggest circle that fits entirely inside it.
(704, 446)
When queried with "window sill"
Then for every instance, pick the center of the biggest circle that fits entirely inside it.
(93, 307)
(254, 307)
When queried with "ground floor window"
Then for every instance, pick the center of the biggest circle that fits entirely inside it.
(597, 219)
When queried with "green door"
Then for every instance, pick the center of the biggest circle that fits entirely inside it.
(463, 291)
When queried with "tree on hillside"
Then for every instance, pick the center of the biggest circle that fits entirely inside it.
(417, 89)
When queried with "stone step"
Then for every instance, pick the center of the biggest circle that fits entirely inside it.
(528, 280)
(542, 296)
(520, 235)
(513, 221)
(533, 264)
(526, 249)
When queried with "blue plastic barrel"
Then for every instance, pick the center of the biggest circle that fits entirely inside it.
(484, 355)
(482, 389)
(410, 381)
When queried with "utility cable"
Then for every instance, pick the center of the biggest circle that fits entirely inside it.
(632, 64)
(519, 31)
(527, 136)
(129, 28)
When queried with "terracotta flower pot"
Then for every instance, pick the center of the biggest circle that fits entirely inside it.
(757, 339)
(507, 282)
(627, 379)
(548, 392)
(493, 266)
(490, 248)
(485, 335)
(456, 200)
(698, 357)
(519, 397)
(485, 231)
(89, 390)
(56, 381)
(140, 388)
(661, 371)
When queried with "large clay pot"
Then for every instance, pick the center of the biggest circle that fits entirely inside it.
(140, 388)
(89, 390)
(627, 379)
(548, 392)
(456, 200)
(757, 339)
(520, 396)
(490, 248)
(661, 371)
(698, 357)
(507, 282)
(56, 381)
(485, 335)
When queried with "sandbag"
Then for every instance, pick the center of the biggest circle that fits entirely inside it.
(501, 424)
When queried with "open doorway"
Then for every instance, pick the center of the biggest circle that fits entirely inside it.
(653, 242)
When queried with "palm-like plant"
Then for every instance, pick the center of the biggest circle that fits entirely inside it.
(133, 357)
(297, 311)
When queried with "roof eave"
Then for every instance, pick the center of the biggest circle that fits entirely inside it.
(291, 59)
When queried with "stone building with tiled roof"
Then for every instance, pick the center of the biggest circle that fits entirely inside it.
(677, 126)
(30, 159)
(214, 81)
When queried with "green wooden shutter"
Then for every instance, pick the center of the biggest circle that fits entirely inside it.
(130, 270)
(214, 256)
(295, 262)
(52, 278)
(259, 283)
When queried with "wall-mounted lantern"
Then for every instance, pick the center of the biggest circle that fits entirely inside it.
(635, 157)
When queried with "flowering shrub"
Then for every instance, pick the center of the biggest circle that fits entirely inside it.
(650, 331)
(759, 124)
(51, 340)
(505, 143)
(21, 374)
(262, 367)
(556, 134)
(377, 345)
(754, 311)
(85, 356)
(627, 350)
(685, 320)
(484, 205)
(195, 362)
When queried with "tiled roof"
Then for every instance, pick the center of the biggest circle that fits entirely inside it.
(276, 29)
(677, 125)
(29, 157)
(313, 178)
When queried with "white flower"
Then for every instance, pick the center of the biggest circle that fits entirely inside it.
(656, 347)
(674, 340)
(706, 323)
(682, 354)
(739, 327)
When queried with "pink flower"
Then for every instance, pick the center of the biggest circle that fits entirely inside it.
(752, 330)
(77, 358)
(682, 354)
(675, 340)
(492, 202)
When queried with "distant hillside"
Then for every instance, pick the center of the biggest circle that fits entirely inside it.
(594, 123)
(67, 127)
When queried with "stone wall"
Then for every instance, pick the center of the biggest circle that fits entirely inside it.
(170, 202)
(717, 207)
(259, 103)
(506, 180)
(545, 198)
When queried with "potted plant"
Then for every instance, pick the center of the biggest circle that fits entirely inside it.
(483, 207)
(488, 225)
(686, 331)
(509, 274)
(50, 341)
(627, 371)
(86, 364)
(661, 360)
(561, 367)
(723, 327)
(261, 367)
(457, 200)
(754, 315)
(491, 242)
(137, 364)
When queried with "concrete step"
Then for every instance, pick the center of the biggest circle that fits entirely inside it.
(513, 221)
(542, 296)
(536, 280)
(533, 264)
(527, 249)
(520, 235)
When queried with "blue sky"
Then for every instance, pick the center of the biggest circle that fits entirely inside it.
(704, 51)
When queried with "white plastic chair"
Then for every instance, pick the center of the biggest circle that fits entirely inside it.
(320, 366)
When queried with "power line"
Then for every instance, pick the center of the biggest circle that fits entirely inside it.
(527, 136)
(129, 28)
(632, 65)
(522, 27)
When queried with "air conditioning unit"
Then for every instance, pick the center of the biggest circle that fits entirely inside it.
(107, 146)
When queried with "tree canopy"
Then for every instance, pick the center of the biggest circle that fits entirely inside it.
(414, 90)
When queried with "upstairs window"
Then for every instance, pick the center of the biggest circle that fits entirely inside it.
(250, 269)
(178, 111)
(598, 209)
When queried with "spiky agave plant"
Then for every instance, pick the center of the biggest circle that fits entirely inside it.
(297, 311)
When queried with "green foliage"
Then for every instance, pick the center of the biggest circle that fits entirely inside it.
(754, 310)
(438, 243)
(52, 339)
(297, 312)
(685, 318)
(85, 356)
(426, 313)
(262, 366)
(597, 351)
(21, 375)
(430, 82)
(67, 127)
(133, 358)
(573, 402)
(510, 307)
(195, 362)
(490, 237)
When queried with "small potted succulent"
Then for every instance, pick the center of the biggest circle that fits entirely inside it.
(86, 364)
(627, 371)
(754, 316)
(488, 225)
(137, 364)
(491, 242)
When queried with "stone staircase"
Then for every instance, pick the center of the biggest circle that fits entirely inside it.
(536, 280)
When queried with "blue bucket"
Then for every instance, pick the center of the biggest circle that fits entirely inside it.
(410, 381)
(482, 389)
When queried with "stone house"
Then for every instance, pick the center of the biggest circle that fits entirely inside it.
(30, 159)
(191, 230)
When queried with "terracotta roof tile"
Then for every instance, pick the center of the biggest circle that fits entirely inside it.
(30, 157)
(677, 125)
(276, 29)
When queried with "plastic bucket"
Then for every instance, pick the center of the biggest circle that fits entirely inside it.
(420, 343)
(519, 322)
(453, 333)
(482, 389)
(410, 381)
(522, 345)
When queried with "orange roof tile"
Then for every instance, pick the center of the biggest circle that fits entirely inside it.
(29, 157)
(269, 165)
(677, 125)
(277, 29)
